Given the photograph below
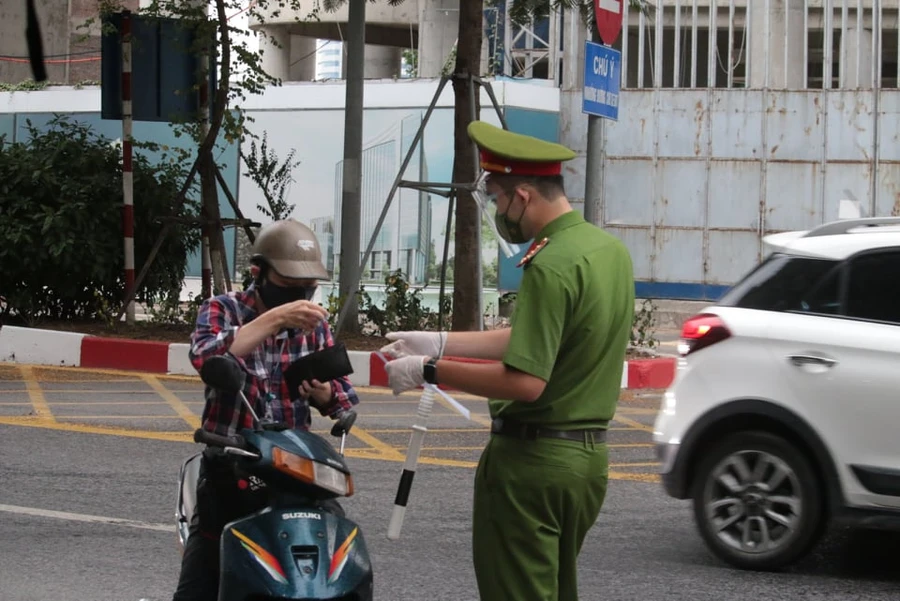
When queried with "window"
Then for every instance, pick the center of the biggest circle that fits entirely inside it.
(873, 287)
(823, 298)
(780, 283)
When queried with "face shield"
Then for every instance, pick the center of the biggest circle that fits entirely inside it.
(484, 202)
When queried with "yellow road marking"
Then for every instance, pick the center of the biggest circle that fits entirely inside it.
(430, 430)
(177, 405)
(102, 403)
(41, 408)
(384, 448)
(636, 411)
(374, 453)
(85, 391)
(88, 429)
(635, 425)
(104, 416)
(415, 393)
(479, 448)
(131, 375)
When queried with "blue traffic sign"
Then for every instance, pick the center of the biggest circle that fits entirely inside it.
(602, 73)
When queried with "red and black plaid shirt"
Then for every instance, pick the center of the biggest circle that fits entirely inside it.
(218, 322)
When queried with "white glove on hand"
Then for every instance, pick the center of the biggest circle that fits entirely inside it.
(430, 344)
(406, 373)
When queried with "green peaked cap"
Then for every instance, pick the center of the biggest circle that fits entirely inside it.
(517, 147)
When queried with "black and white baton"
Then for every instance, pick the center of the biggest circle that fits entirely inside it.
(419, 428)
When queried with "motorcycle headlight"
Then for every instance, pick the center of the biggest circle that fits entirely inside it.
(313, 472)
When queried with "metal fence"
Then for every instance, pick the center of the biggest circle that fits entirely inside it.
(795, 44)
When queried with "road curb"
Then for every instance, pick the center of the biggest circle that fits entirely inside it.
(68, 349)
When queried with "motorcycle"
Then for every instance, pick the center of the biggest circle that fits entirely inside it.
(300, 546)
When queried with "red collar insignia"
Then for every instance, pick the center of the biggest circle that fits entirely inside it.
(533, 250)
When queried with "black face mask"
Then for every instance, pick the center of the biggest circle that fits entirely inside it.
(273, 295)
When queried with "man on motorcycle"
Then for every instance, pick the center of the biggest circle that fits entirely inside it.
(266, 327)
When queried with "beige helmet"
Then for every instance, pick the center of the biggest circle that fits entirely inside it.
(291, 249)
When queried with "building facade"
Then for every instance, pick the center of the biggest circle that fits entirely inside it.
(737, 119)
(329, 59)
(404, 240)
(71, 47)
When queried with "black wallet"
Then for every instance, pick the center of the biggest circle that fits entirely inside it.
(328, 364)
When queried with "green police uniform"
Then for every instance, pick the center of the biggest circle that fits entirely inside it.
(536, 497)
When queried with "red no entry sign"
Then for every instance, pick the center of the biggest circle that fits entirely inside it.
(608, 14)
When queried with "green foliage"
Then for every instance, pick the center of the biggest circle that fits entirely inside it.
(61, 241)
(272, 178)
(166, 308)
(29, 85)
(644, 326)
(411, 58)
(402, 308)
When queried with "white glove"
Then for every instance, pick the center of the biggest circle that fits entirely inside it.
(430, 344)
(406, 373)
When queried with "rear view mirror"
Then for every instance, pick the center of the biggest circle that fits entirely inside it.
(223, 373)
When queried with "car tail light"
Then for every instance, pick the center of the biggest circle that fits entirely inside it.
(700, 332)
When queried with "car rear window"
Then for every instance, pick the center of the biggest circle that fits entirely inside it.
(782, 283)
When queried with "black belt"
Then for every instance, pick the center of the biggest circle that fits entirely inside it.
(532, 432)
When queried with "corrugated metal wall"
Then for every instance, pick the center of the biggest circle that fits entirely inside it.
(694, 177)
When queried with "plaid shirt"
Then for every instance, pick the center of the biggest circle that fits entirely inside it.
(218, 322)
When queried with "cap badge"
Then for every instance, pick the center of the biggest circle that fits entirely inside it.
(306, 244)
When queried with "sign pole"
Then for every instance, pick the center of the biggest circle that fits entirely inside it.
(127, 174)
(602, 75)
(593, 180)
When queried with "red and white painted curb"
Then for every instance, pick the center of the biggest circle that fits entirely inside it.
(68, 349)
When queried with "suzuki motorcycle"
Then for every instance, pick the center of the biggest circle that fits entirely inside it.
(300, 546)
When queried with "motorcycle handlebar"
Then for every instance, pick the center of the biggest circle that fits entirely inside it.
(217, 440)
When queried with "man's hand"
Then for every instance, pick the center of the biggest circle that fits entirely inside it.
(406, 344)
(406, 373)
(318, 393)
(301, 314)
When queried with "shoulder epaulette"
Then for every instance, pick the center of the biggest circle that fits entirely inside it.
(534, 249)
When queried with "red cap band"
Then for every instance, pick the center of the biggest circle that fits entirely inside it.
(497, 164)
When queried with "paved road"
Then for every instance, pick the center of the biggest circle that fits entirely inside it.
(89, 460)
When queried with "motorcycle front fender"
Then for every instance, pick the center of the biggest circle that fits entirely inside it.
(294, 553)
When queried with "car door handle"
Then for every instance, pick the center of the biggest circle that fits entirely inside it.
(801, 360)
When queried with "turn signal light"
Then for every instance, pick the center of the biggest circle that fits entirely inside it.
(313, 472)
(701, 331)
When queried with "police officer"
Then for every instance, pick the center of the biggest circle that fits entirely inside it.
(553, 390)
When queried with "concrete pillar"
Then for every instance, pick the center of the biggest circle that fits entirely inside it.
(382, 62)
(438, 30)
(302, 66)
(857, 62)
(785, 23)
(276, 60)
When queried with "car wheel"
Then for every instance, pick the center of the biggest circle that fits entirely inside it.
(757, 501)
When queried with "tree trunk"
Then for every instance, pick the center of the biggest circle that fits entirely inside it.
(206, 167)
(209, 194)
(468, 254)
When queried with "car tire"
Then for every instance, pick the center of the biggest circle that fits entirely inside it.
(757, 501)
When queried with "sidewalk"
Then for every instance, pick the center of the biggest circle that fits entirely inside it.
(68, 349)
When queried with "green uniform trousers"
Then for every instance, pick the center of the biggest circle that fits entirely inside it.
(535, 501)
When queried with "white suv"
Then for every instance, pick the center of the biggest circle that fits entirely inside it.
(785, 408)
